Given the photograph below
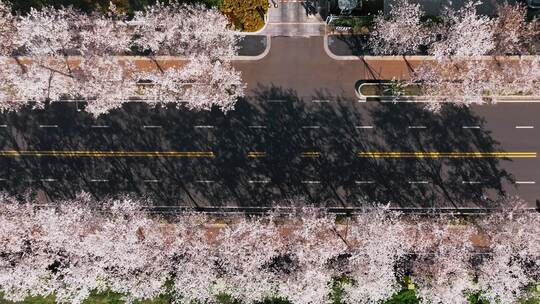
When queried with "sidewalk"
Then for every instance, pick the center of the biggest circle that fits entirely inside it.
(293, 19)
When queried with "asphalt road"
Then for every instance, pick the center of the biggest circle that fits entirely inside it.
(299, 136)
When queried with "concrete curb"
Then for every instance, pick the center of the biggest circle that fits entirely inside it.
(258, 57)
(334, 56)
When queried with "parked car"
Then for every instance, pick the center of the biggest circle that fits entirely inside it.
(533, 3)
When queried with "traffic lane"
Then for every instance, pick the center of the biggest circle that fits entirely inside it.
(260, 181)
(516, 126)
(305, 148)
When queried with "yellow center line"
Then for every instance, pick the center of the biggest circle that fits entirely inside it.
(256, 154)
(310, 154)
(57, 153)
(447, 154)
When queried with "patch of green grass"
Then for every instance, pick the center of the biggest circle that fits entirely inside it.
(405, 296)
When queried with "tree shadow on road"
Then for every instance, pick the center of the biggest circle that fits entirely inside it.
(310, 154)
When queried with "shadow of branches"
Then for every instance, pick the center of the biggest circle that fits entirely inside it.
(310, 153)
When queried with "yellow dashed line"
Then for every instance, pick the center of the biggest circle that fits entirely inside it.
(256, 154)
(310, 154)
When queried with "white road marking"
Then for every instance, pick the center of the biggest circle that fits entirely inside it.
(48, 180)
(204, 181)
(204, 127)
(258, 181)
(3, 179)
(311, 127)
(3, 126)
(526, 182)
(470, 182)
(151, 180)
(151, 127)
(99, 180)
(524, 127)
(311, 182)
(364, 182)
(471, 127)
(48, 126)
(418, 182)
(417, 127)
(320, 100)
(364, 127)
(257, 127)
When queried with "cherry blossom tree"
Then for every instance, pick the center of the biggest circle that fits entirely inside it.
(442, 269)
(482, 81)
(179, 29)
(73, 55)
(463, 33)
(401, 32)
(377, 242)
(514, 262)
(513, 33)
(8, 28)
(50, 35)
(48, 31)
(198, 85)
(203, 36)
(74, 247)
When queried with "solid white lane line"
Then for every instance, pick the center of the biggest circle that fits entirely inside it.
(524, 127)
(204, 127)
(417, 127)
(48, 126)
(471, 127)
(418, 182)
(99, 126)
(48, 180)
(151, 127)
(151, 180)
(99, 180)
(320, 100)
(3, 126)
(258, 181)
(364, 127)
(470, 182)
(364, 182)
(204, 181)
(526, 182)
(311, 182)
(3, 179)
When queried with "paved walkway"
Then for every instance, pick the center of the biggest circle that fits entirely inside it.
(293, 19)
